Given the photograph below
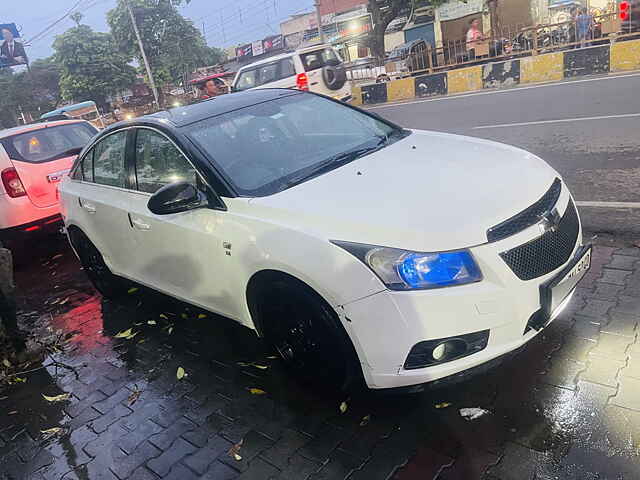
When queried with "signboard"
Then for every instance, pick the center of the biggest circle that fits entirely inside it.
(457, 9)
(12, 51)
(256, 48)
(244, 51)
(274, 42)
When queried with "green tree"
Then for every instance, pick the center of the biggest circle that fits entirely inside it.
(91, 66)
(174, 46)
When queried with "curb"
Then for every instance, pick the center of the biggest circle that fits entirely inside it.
(622, 56)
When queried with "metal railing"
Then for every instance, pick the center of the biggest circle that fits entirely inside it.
(507, 42)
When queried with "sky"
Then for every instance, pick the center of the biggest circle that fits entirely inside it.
(225, 23)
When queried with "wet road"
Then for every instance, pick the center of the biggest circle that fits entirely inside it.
(566, 407)
(589, 130)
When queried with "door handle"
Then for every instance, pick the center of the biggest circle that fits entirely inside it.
(139, 224)
(90, 208)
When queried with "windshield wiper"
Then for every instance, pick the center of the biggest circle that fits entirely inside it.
(336, 161)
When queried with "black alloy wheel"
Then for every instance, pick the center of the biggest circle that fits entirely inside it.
(307, 334)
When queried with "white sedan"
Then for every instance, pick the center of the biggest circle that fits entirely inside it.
(355, 247)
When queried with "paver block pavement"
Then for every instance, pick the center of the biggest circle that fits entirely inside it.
(603, 371)
(623, 262)
(628, 395)
(615, 277)
(175, 452)
(611, 347)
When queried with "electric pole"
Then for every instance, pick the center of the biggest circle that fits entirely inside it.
(144, 55)
(319, 20)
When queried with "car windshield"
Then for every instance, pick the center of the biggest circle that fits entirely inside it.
(48, 143)
(266, 148)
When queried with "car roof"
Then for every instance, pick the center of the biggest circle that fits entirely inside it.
(35, 126)
(275, 58)
(181, 116)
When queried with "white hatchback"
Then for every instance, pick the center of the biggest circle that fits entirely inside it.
(317, 69)
(354, 246)
(33, 160)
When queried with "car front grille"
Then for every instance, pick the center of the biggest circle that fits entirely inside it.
(529, 216)
(547, 252)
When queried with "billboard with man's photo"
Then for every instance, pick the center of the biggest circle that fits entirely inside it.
(12, 51)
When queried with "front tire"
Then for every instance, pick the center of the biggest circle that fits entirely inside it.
(105, 282)
(307, 334)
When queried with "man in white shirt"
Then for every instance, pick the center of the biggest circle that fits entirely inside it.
(11, 52)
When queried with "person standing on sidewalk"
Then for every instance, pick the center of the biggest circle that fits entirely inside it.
(474, 35)
(584, 26)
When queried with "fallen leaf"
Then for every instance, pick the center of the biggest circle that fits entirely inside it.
(18, 380)
(162, 315)
(132, 290)
(442, 405)
(343, 407)
(272, 357)
(57, 398)
(170, 331)
(201, 316)
(64, 301)
(135, 395)
(6, 363)
(51, 431)
(142, 340)
(261, 367)
(123, 334)
(234, 451)
(472, 413)
(257, 391)
(129, 337)
(365, 420)
(57, 256)
(180, 373)
(243, 364)
(151, 322)
(13, 412)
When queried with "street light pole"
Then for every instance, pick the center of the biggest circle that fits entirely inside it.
(319, 20)
(144, 55)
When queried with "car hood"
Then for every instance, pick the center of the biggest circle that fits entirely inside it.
(427, 192)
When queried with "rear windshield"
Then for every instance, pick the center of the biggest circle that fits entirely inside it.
(265, 73)
(319, 58)
(49, 143)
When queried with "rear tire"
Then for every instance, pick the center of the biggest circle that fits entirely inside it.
(307, 334)
(105, 282)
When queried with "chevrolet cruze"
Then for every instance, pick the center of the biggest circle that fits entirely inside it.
(355, 247)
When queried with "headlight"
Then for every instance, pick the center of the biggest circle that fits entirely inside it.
(405, 270)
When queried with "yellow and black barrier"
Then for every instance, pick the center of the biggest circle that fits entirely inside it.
(610, 58)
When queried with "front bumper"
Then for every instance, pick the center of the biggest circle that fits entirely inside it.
(384, 327)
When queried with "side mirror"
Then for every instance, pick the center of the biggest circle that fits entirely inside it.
(175, 198)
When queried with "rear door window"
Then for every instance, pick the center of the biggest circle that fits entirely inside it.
(108, 160)
(319, 58)
(287, 68)
(48, 143)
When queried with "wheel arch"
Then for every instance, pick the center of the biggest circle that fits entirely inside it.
(257, 283)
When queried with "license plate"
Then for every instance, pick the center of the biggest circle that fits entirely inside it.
(560, 287)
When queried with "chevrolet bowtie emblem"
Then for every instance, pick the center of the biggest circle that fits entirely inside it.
(549, 221)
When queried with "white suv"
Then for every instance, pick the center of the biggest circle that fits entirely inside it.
(317, 69)
(33, 159)
(351, 244)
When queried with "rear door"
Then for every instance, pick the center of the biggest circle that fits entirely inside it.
(103, 196)
(43, 156)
